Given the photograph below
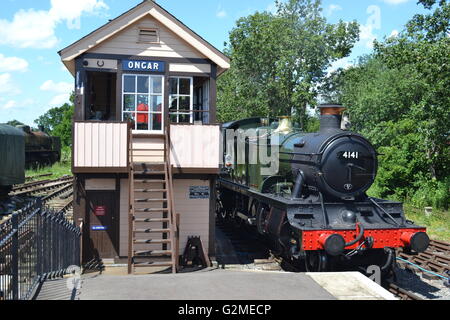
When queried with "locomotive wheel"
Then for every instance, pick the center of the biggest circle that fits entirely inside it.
(237, 220)
(220, 211)
(261, 219)
(315, 261)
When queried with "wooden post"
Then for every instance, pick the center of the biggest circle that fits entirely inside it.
(130, 199)
(177, 241)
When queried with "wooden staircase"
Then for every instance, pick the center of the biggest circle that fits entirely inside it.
(153, 231)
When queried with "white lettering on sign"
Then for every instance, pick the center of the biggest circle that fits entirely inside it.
(143, 65)
(351, 155)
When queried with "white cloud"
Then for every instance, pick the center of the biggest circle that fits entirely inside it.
(394, 33)
(13, 104)
(7, 87)
(8, 64)
(60, 87)
(71, 11)
(272, 8)
(343, 63)
(366, 32)
(59, 100)
(29, 29)
(395, 2)
(221, 13)
(366, 35)
(10, 104)
(332, 8)
(36, 29)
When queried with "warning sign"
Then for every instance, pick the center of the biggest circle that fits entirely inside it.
(100, 211)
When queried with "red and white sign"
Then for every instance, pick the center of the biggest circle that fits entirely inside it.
(100, 211)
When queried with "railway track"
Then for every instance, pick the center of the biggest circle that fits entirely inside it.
(244, 252)
(56, 194)
(402, 293)
(36, 186)
(434, 263)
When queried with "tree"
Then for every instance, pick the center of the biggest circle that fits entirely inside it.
(399, 98)
(277, 60)
(432, 26)
(58, 122)
(14, 123)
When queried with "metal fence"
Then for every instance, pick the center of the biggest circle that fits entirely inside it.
(36, 244)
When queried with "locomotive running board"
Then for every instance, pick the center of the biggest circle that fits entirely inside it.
(308, 214)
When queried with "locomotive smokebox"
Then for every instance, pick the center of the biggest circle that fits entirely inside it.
(336, 163)
(330, 117)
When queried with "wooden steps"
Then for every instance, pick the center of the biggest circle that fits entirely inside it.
(153, 234)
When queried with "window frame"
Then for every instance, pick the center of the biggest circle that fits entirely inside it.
(149, 95)
(178, 95)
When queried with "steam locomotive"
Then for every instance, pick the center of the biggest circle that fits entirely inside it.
(41, 149)
(306, 193)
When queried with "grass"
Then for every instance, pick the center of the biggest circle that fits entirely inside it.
(438, 224)
(58, 170)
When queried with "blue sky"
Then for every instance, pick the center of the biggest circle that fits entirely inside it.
(32, 78)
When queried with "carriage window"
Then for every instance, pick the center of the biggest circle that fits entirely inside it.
(143, 102)
(180, 99)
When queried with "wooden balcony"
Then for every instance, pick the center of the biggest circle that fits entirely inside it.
(100, 147)
(195, 148)
(103, 147)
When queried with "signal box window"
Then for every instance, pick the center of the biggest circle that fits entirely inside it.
(180, 100)
(143, 102)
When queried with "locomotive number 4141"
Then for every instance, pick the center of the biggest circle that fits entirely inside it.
(350, 155)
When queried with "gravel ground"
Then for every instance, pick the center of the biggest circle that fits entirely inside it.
(428, 289)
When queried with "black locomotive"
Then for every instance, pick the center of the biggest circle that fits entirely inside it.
(307, 193)
(41, 149)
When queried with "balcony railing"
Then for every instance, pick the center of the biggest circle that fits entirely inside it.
(103, 147)
(100, 147)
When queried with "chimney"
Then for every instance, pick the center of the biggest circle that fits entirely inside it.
(330, 117)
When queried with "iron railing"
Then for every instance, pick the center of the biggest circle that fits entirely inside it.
(36, 244)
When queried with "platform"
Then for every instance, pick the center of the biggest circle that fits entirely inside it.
(218, 284)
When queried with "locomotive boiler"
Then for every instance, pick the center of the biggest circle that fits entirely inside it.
(40, 148)
(306, 192)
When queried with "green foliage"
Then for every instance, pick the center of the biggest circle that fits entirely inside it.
(14, 123)
(399, 98)
(66, 155)
(277, 60)
(432, 193)
(432, 26)
(58, 122)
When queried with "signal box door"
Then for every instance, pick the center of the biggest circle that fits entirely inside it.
(103, 223)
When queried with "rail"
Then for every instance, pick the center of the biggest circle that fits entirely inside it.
(36, 244)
